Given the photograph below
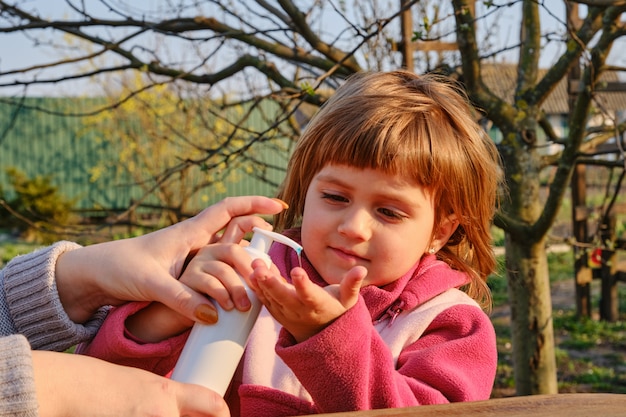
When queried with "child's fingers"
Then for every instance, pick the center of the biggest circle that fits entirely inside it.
(217, 280)
(262, 272)
(216, 271)
(271, 288)
(274, 287)
(305, 288)
(351, 285)
(259, 273)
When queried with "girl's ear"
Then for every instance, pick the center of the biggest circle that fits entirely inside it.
(442, 234)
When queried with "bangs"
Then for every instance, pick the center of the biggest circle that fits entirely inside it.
(366, 136)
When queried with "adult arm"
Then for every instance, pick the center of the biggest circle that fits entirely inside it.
(30, 304)
(50, 384)
(35, 383)
(17, 382)
(75, 385)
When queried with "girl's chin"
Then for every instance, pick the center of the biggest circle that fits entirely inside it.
(333, 277)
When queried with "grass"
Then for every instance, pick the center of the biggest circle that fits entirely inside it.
(585, 333)
(590, 354)
(559, 265)
(11, 249)
(592, 358)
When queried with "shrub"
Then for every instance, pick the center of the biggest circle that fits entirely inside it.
(37, 212)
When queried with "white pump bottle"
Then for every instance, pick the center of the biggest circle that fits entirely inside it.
(212, 352)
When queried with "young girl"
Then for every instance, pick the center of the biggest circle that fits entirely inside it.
(392, 189)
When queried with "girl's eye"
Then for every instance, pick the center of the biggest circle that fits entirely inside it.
(390, 214)
(334, 198)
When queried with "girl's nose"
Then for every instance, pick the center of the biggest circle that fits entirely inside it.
(356, 224)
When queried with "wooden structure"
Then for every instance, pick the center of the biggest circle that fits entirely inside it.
(558, 405)
(602, 243)
(609, 270)
(596, 258)
(596, 252)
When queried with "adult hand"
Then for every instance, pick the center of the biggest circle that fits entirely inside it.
(76, 385)
(144, 268)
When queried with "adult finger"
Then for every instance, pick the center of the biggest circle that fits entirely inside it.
(202, 228)
(181, 298)
(238, 227)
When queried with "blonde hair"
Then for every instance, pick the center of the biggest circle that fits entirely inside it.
(418, 127)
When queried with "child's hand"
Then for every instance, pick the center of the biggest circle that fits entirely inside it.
(216, 271)
(304, 308)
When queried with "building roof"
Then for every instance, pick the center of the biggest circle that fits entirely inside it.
(502, 79)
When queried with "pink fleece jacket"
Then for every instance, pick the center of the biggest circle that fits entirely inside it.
(418, 340)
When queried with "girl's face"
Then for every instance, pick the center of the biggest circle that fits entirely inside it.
(365, 217)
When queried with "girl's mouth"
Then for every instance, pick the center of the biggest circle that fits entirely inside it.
(347, 256)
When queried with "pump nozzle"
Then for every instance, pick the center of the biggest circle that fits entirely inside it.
(262, 240)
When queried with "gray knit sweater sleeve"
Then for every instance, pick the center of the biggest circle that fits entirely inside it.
(30, 303)
(31, 315)
(17, 382)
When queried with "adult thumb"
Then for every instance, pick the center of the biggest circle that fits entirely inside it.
(198, 401)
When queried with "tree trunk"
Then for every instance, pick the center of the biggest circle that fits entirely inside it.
(532, 334)
(531, 318)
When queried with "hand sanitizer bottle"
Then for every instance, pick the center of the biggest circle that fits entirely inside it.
(212, 352)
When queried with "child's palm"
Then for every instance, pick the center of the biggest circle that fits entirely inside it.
(304, 309)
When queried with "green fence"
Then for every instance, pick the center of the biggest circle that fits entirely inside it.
(44, 136)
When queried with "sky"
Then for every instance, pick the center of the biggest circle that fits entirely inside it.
(17, 51)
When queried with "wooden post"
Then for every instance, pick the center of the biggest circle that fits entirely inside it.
(406, 27)
(582, 273)
(406, 45)
(131, 218)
